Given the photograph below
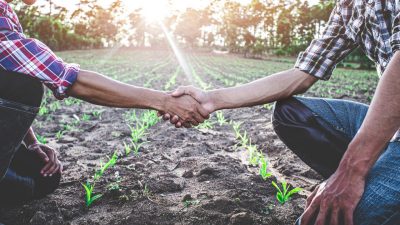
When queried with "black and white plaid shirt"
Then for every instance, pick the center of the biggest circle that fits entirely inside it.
(372, 25)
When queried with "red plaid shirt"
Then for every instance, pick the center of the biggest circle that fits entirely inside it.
(31, 57)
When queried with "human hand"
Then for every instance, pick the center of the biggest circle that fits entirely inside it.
(185, 109)
(199, 95)
(49, 156)
(335, 200)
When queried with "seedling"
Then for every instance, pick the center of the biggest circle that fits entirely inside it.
(236, 128)
(85, 117)
(137, 132)
(150, 118)
(89, 194)
(263, 168)
(254, 154)
(269, 106)
(97, 113)
(189, 203)
(55, 106)
(206, 125)
(127, 148)
(244, 139)
(41, 139)
(136, 147)
(43, 110)
(111, 162)
(283, 195)
(59, 134)
(221, 118)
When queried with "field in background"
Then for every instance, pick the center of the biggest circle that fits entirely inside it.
(196, 176)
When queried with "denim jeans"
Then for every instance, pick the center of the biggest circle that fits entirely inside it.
(20, 98)
(319, 131)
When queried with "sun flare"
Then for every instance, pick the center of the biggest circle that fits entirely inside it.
(154, 10)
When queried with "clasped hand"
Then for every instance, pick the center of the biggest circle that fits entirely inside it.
(187, 106)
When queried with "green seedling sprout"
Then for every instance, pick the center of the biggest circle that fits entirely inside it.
(97, 113)
(43, 110)
(254, 154)
(244, 139)
(136, 147)
(85, 117)
(221, 118)
(127, 148)
(41, 139)
(264, 168)
(283, 195)
(236, 128)
(206, 125)
(137, 132)
(111, 162)
(89, 194)
(59, 134)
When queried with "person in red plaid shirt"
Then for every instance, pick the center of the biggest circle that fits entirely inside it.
(29, 169)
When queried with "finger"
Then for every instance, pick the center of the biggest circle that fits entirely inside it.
(322, 214)
(194, 123)
(178, 125)
(348, 217)
(311, 197)
(166, 117)
(61, 167)
(187, 125)
(42, 155)
(197, 117)
(310, 212)
(46, 168)
(53, 169)
(50, 166)
(334, 216)
(204, 113)
(175, 119)
(160, 113)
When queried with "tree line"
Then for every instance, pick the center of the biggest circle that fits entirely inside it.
(282, 28)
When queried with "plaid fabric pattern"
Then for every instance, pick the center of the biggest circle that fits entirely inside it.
(31, 57)
(372, 25)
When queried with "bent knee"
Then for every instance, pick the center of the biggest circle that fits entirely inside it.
(46, 185)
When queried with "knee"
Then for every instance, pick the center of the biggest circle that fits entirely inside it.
(21, 88)
(46, 185)
(288, 113)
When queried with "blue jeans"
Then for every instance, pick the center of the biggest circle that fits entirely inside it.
(20, 179)
(319, 131)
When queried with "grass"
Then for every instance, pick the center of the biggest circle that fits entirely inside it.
(111, 162)
(41, 139)
(264, 168)
(221, 118)
(283, 194)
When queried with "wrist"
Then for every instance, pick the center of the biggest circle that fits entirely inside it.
(214, 101)
(159, 103)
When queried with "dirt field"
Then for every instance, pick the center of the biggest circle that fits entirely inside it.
(195, 176)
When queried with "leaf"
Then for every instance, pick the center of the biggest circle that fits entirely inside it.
(276, 186)
(294, 191)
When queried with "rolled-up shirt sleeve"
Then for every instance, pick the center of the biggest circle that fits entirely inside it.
(323, 54)
(32, 57)
(395, 38)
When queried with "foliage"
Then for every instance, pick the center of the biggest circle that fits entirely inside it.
(283, 195)
(264, 168)
(89, 197)
(111, 162)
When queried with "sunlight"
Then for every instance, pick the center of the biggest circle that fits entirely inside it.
(154, 10)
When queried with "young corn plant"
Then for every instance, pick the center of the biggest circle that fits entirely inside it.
(136, 147)
(150, 118)
(221, 118)
(206, 125)
(89, 197)
(97, 114)
(137, 132)
(283, 195)
(264, 168)
(127, 149)
(236, 128)
(86, 117)
(60, 134)
(254, 154)
(41, 139)
(111, 162)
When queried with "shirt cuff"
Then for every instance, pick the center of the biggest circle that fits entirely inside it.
(315, 65)
(67, 79)
(395, 41)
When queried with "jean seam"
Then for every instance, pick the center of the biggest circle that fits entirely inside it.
(18, 106)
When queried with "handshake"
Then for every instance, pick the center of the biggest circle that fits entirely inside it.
(187, 106)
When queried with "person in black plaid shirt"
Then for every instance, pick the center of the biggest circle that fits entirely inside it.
(350, 144)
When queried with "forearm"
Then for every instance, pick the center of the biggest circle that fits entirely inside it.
(381, 122)
(269, 89)
(98, 89)
(30, 138)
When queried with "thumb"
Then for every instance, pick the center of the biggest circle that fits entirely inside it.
(179, 92)
(42, 155)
